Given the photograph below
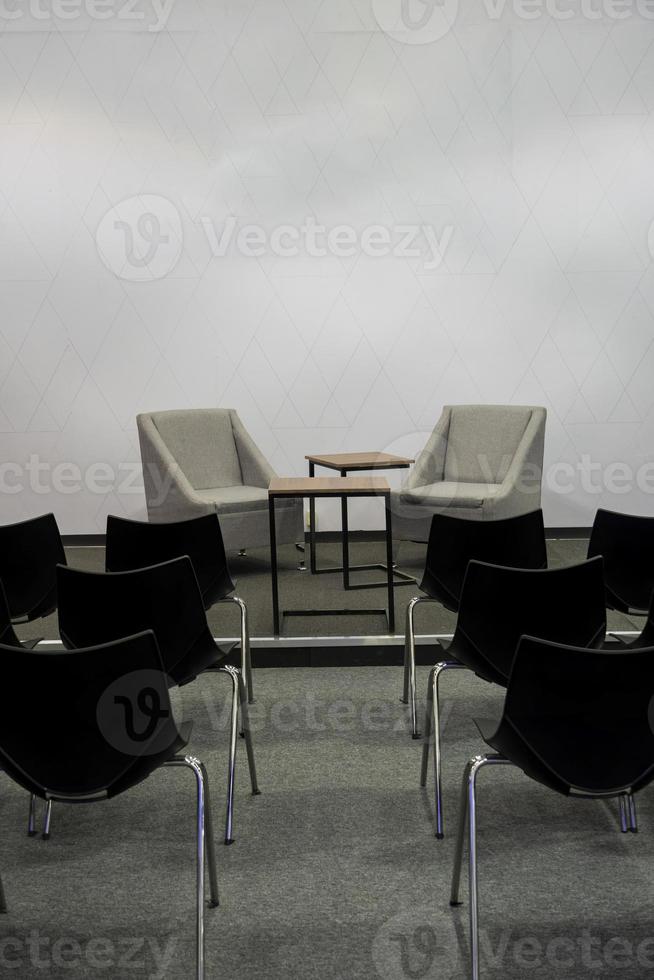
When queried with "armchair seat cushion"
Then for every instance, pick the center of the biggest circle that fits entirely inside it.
(448, 493)
(234, 500)
(238, 500)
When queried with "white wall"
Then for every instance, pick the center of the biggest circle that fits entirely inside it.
(529, 142)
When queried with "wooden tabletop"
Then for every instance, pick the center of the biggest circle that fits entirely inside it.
(328, 486)
(360, 461)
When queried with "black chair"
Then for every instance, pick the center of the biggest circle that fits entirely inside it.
(108, 720)
(8, 637)
(645, 637)
(575, 720)
(96, 607)
(626, 542)
(138, 544)
(516, 542)
(498, 606)
(29, 554)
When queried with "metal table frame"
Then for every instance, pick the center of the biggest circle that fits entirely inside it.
(401, 577)
(390, 584)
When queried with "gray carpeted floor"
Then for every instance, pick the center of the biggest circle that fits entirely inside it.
(335, 872)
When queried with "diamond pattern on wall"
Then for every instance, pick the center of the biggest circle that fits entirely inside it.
(532, 141)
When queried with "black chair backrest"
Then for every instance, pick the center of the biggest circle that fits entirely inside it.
(98, 607)
(626, 543)
(499, 605)
(585, 714)
(29, 554)
(517, 542)
(85, 723)
(139, 544)
(7, 635)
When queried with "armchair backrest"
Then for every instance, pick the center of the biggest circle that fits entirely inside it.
(202, 443)
(482, 441)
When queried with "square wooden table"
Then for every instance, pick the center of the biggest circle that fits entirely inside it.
(346, 463)
(331, 486)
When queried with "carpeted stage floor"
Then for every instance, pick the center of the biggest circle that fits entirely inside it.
(335, 873)
(303, 590)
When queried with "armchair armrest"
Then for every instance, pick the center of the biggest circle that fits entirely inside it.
(525, 473)
(168, 494)
(256, 471)
(430, 464)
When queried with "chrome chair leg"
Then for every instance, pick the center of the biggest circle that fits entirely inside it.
(233, 738)
(246, 661)
(429, 723)
(623, 813)
(408, 640)
(214, 898)
(633, 816)
(204, 848)
(434, 705)
(47, 820)
(247, 732)
(409, 686)
(460, 837)
(31, 817)
(472, 769)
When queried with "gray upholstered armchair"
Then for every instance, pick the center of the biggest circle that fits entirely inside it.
(482, 462)
(203, 461)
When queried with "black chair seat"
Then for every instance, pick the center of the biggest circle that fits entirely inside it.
(104, 723)
(581, 716)
(79, 760)
(139, 544)
(626, 542)
(101, 607)
(502, 604)
(576, 720)
(498, 606)
(29, 554)
(8, 636)
(515, 542)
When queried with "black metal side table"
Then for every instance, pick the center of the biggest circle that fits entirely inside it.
(331, 486)
(346, 463)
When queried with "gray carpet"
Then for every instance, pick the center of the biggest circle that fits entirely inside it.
(335, 868)
(335, 872)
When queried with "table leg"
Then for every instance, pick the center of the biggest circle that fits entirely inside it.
(312, 525)
(389, 564)
(346, 541)
(273, 565)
